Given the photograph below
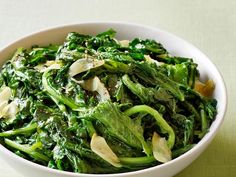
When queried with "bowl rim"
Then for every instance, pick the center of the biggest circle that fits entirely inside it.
(209, 136)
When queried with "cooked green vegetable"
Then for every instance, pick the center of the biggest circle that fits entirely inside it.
(98, 105)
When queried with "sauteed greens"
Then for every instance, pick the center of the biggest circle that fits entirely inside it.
(98, 105)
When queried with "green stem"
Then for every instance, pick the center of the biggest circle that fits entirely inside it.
(55, 94)
(192, 75)
(89, 125)
(144, 94)
(192, 109)
(165, 127)
(24, 148)
(137, 161)
(29, 128)
(178, 152)
(170, 85)
(204, 123)
(83, 152)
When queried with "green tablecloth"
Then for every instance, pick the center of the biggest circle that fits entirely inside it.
(208, 24)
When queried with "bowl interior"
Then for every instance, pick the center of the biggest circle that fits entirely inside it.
(173, 44)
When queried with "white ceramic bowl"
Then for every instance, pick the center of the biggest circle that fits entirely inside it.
(172, 43)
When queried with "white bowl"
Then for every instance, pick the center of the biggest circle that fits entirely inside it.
(172, 43)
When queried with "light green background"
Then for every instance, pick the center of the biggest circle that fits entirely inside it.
(208, 24)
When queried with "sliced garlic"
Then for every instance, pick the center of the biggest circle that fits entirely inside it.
(43, 69)
(48, 66)
(94, 84)
(3, 104)
(161, 152)
(39, 67)
(124, 43)
(54, 66)
(84, 64)
(100, 147)
(150, 60)
(205, 89)
(52, 62)
(10, 110)
(7, 110)
(5, 94)
(90, 84)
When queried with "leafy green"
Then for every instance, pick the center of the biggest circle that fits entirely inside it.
(28, 150)
(56, 114)
(24, 130)
(144, 94)
(148, 74)
(120, 126)
(165, 128)
(47, 84)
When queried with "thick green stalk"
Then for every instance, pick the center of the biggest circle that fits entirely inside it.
(165, 127)
(28, 150)
(29, 128)
(55, 94)
(89, 125)
(144, 94)
(137, 161)
(178, 152)
(204, 122)
(192, 109)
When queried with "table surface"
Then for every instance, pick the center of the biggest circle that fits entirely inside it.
(210, 25)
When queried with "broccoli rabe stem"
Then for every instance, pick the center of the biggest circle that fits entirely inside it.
(137, 161)
(178, 152)
(55, 94)
(28, 129)
(62, 107)
(204, 122)
(144, 94)
(116, 67)
(192, 75)
(83, 152)
(192, 109)
(89, 125)
(148, 74)
(164, 126)
(28, 150)
(120, 126)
